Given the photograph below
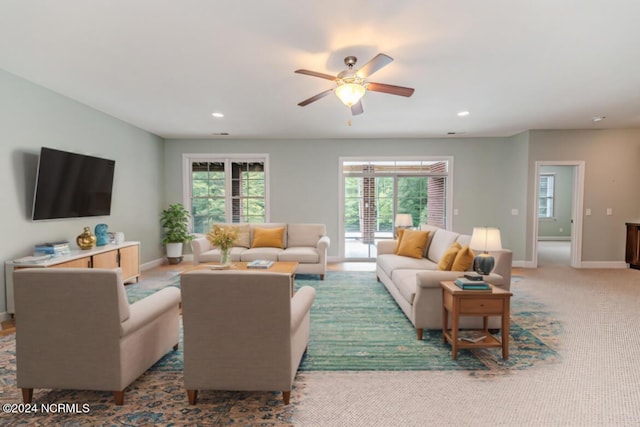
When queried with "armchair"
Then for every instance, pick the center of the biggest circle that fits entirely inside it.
(75, 329)
(243, 331)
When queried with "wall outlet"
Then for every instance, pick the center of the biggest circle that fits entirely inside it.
(587, 212)
(561, 230)
(609, 211)
(514, 211)
(456, 212)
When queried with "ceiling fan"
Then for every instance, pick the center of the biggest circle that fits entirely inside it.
(352, 84)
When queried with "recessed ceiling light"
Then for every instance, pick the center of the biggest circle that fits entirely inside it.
(463, 113)
(597, 119)
(217, 115)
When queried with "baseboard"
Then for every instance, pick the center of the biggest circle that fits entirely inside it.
(163, 261)
(584, 264)
(554, 238)
(5, 316)
(604, 264)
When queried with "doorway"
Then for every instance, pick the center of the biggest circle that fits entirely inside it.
(558, 213)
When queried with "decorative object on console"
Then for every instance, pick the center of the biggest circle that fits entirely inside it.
(102, 237)
(485, 239)
(403, 221)
(175, 221)
(119, 238)
(86, 239)
(223, 238)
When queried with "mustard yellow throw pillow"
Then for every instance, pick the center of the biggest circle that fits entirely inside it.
(463, 259)
(400, 232)
(449, 256)
(412, 243)
(268, 237)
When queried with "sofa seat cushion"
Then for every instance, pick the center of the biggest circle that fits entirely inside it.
(213, 255)
(301, 255)
(270, 254)
(405, 281)
(391, 262)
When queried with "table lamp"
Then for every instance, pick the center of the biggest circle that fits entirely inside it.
(403, 221)
(485, 239)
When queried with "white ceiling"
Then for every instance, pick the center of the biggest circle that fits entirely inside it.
(165, 65)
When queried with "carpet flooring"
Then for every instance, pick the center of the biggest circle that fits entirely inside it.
(356, 327)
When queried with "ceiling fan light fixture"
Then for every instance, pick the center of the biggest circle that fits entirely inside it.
(350, 93)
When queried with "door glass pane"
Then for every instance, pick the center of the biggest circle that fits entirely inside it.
(412, 198)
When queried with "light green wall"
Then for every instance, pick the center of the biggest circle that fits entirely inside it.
(304, 177)
(558, 227)
(32, 117)
(611, 181)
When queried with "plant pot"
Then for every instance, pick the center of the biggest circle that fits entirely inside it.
(174, 253)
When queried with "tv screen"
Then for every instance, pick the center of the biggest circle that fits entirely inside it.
(71, 185)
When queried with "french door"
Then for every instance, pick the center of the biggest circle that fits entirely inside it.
(376, 191)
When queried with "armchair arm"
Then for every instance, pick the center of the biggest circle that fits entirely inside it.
(386, 246)
(198, 247)
(323, 243)
(300, 305)
(149, 308)
(432, 278)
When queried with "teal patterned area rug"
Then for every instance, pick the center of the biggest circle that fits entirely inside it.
(357, 326)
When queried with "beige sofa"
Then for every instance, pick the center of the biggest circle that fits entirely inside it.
(306, 244)
(243, 331)
(75, 329)
(415, 283)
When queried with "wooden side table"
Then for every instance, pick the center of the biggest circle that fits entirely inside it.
(460, 302)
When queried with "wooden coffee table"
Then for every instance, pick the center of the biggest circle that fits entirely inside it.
(282, 267)
(460, 302)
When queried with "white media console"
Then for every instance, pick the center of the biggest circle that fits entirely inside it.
(124, 255)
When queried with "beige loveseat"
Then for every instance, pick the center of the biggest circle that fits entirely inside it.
(415, 283)
(306, 244)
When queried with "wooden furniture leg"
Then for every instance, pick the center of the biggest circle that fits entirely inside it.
(175, 347)
(193, 396)
(419, 333)
(286, 396)
(27, 395)
(119, 397)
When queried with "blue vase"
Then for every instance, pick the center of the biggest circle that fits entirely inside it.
(102, 237)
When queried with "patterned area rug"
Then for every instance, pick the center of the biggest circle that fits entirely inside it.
(356, 326)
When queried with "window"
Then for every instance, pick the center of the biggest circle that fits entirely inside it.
(545, 195)
(225, 189)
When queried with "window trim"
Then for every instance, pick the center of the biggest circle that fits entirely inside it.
(188, 158)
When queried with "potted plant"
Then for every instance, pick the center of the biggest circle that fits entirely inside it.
(175, 221)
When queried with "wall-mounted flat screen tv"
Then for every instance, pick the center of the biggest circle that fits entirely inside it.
(71, 185)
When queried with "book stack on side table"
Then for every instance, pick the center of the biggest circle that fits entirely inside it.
(472, 285)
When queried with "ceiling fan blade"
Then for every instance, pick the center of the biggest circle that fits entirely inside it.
(315, 98)
(357, 108)
(393, 90)
(316, 74)
(378, 61)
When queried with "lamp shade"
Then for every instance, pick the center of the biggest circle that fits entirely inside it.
(404, 220)
(350, 93)
(485, 239)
